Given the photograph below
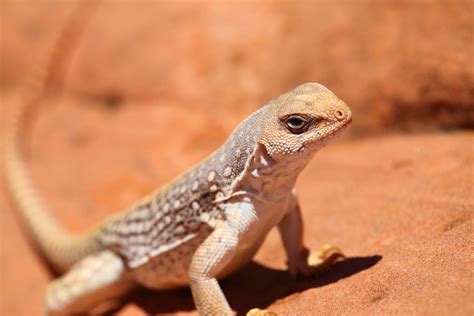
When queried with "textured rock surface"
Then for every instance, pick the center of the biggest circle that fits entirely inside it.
(154, 88)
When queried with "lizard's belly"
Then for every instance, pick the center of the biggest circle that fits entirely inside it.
(169, 269)
(243, 256)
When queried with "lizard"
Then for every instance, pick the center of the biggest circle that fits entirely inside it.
(204, 225)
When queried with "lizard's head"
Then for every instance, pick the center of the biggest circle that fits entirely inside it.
(302, 121)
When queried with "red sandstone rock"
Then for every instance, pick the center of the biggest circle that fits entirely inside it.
(155, 88)
(400, 207)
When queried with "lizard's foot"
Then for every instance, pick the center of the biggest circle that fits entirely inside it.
(323, 259)
(260, 312)
(310, 262)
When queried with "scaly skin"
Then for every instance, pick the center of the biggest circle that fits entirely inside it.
(205, 224)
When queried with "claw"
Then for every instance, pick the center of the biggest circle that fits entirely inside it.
(260, 312)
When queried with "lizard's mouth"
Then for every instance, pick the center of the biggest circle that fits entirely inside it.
(318, 144)
(348, 122)
(335, 132)
(342, 128)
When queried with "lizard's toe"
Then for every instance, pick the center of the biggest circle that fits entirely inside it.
(321, 260)
(260, 312)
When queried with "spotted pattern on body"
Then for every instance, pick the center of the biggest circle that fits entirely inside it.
(186, 208)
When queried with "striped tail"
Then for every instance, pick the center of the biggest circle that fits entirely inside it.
(58, 246)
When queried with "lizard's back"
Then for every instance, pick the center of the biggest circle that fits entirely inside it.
(162, 231)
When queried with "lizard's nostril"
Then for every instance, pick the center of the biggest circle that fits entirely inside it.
(339, 115)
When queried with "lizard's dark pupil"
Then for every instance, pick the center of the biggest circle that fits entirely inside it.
(296, 124)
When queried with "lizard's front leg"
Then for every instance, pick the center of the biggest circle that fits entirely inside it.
(215, 253)
(209, 259)
(300, 259)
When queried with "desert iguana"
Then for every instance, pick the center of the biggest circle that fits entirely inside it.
(202, 226)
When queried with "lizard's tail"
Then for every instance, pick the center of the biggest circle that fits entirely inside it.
(59, 247)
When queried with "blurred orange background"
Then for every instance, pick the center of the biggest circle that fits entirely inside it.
(155, 86)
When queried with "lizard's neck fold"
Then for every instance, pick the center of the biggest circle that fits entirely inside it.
(269, 180)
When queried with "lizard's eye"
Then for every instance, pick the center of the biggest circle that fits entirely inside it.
(296, 124)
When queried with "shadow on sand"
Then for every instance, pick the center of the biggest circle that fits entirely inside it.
(253, 286)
